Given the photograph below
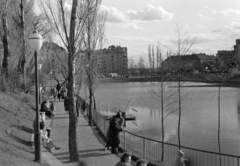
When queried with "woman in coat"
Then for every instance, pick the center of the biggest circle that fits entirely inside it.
(114, 130)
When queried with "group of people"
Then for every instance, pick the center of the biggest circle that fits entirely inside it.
(126, 160)
(48, 108)
(115, 127)
(47, 142)
(59, 91)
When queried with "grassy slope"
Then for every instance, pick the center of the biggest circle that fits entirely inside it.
(16, 119)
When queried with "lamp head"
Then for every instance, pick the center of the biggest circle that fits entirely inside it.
(35, 41)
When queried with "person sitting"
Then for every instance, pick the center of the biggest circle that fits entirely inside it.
(43, 106)
(125, 160)
(47, 142)
(52, 107)
(49, 112)
(141, 162)
(41, 126)
(179, 160)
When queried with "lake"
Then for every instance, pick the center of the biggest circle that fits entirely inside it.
(199, 124)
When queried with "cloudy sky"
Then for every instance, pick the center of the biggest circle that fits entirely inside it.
(136, 24)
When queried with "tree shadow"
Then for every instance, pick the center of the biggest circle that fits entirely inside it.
(22, 141)
(23, 128)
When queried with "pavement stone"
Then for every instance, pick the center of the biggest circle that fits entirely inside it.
(90, 144)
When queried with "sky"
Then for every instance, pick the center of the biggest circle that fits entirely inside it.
(136, 24)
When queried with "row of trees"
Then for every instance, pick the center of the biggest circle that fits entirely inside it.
(77, 25)
(170, 100)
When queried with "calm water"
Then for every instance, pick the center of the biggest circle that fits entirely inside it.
(199, 113)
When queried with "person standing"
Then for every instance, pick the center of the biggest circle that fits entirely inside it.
(77, 107)
(66, 103)
(121, 123)
(121, 119)
(114, 130)
(83, 106)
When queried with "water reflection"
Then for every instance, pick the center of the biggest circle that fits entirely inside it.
(199, 115)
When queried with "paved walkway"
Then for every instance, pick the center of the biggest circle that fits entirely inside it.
(90, 144)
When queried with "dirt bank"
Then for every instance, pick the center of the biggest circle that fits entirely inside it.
(17, 114)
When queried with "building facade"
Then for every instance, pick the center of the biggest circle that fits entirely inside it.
(187, 62)
(226, 56)
(237, 50)
(113, 60)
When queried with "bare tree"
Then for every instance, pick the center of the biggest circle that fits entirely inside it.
(131, 65)
(183, 44)
(68, 21)
(150, 58)
(153, 60)
(166, 97)
(23, 7)
(141, 66)
(4, 33)
(93, 38)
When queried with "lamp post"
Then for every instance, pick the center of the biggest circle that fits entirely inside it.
(40, 86)
(35, 43)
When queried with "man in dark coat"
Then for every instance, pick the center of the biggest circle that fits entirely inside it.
(66, 104)
(114, 130)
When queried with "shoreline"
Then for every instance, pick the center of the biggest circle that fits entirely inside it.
(229, 83)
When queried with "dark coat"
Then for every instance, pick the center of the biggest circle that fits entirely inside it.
(66, 104)
(114, 130)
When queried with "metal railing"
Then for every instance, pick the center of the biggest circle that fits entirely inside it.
(151, 150)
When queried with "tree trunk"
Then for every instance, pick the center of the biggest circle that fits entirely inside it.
(5, 42)
(90, 122)
(180, 112)
(219, 120)
(73, 146)
(162, 105)
(22, 58)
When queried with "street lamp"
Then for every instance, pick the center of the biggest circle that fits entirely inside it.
(35, 43)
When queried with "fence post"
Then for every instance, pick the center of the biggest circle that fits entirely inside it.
(144, 148)
(124, 135)
(104, 127)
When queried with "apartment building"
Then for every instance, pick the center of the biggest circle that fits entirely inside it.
(237, 50)
(226, 56)
(113, 60)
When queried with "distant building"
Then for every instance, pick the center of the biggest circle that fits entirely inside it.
(187, 62)
(112, 60)
(226, 56)
(237, 50)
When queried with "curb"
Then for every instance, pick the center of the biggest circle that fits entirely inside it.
(50, 160)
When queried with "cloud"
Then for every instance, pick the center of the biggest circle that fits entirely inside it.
(113, 15)
(207, 37)
(186, 27)
(135, 26)
(201, 26)
(234, 25)
(149, 13)
(204, 17)
(216, 30)
(134, 39)
(228, 12)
